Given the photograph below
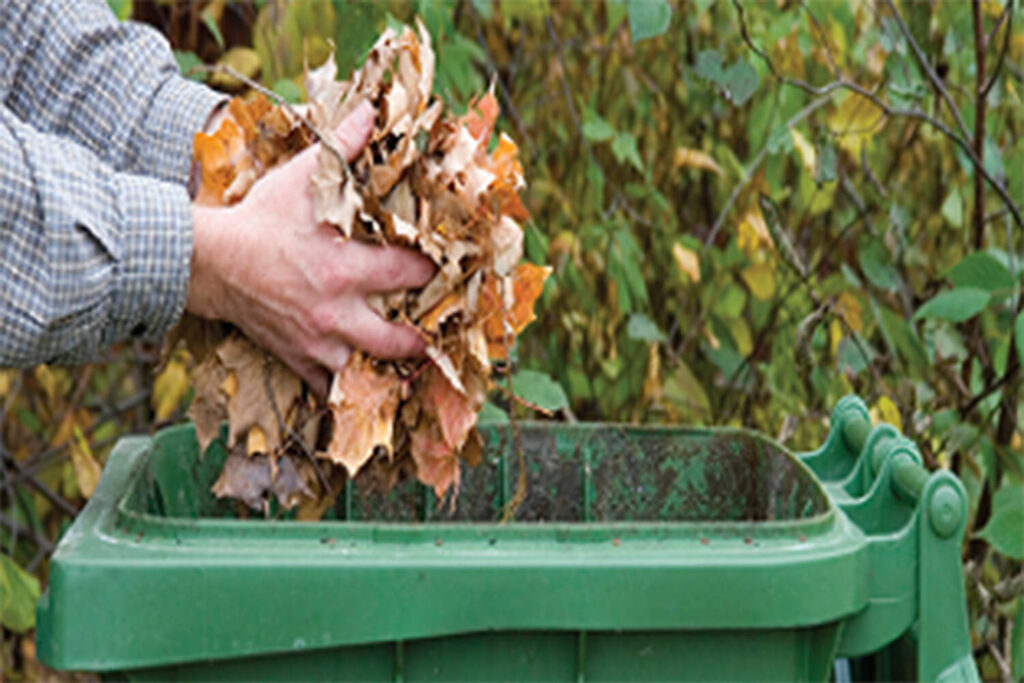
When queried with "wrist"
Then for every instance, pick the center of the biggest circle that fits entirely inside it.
(207, 284)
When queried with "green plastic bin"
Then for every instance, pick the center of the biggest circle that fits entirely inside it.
(639, 554)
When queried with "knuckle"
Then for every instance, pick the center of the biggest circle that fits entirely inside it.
(322, 320)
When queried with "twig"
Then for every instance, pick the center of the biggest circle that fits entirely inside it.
(979, 126)
(1007, 13)
(888, 110)
(322, 137)
(285, 429)
(522, 401)
(19, 529)
(922, 60)
(520, 493)
(506, 97)
(752, 168)
(58, 502)
(824, 39)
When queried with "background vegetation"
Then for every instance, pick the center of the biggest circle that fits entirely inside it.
(752, 210)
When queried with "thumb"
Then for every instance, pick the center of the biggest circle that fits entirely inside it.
(354, 131)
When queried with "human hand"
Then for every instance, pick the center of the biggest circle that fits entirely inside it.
(296, 287)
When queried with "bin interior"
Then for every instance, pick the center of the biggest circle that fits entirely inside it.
(575, 473)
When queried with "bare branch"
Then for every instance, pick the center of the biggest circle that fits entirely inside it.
(1007, 13)
(961, 141)
(752, 168)
(923, 61)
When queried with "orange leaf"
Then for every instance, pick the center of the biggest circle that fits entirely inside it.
(527, 284)
(363, 403)
(482, 114)
(436, 464)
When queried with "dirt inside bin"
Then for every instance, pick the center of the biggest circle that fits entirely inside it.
(575, 473)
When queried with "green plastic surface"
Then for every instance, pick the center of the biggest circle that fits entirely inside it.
(639, 554)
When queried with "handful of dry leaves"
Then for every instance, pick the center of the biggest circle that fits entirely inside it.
(424, 181)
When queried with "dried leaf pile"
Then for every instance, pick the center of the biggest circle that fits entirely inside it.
(426, 181)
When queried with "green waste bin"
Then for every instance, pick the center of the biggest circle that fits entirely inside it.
(639, 554)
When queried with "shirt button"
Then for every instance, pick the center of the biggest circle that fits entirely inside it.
(139, 330)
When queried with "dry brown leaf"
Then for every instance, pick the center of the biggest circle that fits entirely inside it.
(363, 402)
(257, 376)
(208, 408)
(424, 181)
(525, 285)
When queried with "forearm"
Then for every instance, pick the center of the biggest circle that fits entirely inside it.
(68, 67)
(88, 256)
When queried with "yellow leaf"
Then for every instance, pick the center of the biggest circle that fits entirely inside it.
(244, 60)
(230, 384)
(712, 339)
(854, 122)
(741, 335)
(753, 232)
(7, 381)
(48, 382)
(87, 470)
(835, 335)
(652, 382)
(807, 154)
(169, 388)
(255, 441)
(693, 158)
(760, 278)
(684, 391)
(849, 308)
(687, 260)
(787, 55)
(888, 412)
(876, 56)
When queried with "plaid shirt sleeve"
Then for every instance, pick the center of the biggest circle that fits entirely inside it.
(88, 255)
(69, 67)
(95, 147)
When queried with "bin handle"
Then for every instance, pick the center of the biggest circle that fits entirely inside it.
(908, 475)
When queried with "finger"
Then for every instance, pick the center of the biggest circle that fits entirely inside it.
(386, 268)
(354, 131)
(366, 330)
(350, 137)
(317, 379)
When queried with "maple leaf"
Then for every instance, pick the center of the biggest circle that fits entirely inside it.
(523, 288)
(252, 377)
(363, 403)
(424, 181)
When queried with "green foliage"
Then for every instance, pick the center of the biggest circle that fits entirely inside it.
(539, 389)
(1005, 529)
(19, 591)
(648, 18)
(957, 306)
